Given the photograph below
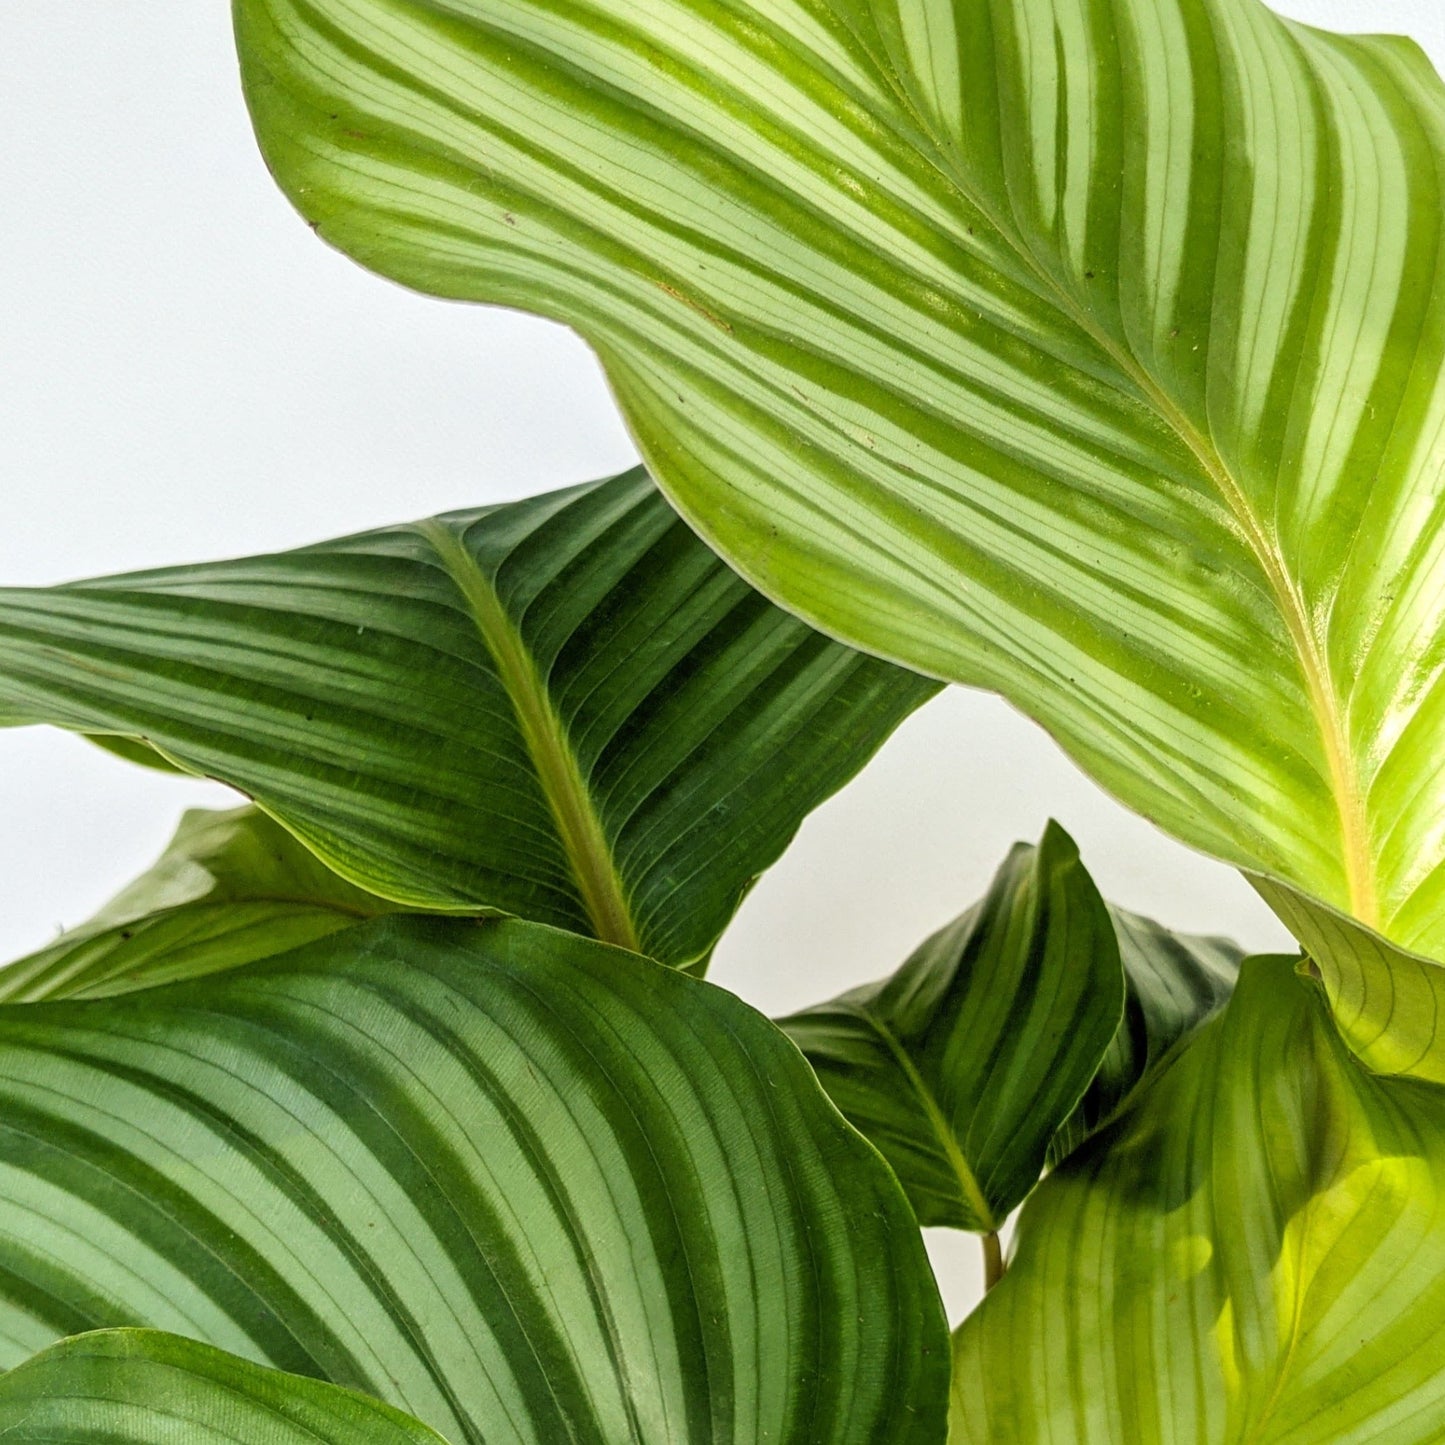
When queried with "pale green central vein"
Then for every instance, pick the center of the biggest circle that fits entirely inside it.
(968, 1184)
(588, 853)
(1343, 781)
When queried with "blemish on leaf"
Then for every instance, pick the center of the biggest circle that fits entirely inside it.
(695, 305)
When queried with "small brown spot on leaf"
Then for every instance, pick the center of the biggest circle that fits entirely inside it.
(695, 305)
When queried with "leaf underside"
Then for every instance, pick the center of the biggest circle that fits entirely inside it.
(566, 709)
(1389, 1002)
(1092, 351)
(521, 1185)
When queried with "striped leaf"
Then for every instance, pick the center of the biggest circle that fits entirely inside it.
(1174, 983)
(1388, 1001)
(521, 1185)
(231, 888)
(1092, 351)
(138, 1387)
(1253, 1253)
(963, 1065)
(566, 709)
(966, 1068)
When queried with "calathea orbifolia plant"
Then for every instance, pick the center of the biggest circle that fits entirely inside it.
(1085, 350)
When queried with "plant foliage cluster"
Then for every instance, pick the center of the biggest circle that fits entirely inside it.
(1089, 351)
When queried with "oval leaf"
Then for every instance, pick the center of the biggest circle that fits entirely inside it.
(566, 708)
(1252, 1253)
(1086, 350)
(521, 1185)
(233, 887)
(964, 1064)
(139, 1387)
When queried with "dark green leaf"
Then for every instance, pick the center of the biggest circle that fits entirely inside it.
(964, 1064)
(567, 708)
(1174, 982)
(139, 1387)
(522, 1185)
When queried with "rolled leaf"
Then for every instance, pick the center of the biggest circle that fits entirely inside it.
(1252, 1253)
(1173, 983)
(139, 1387)
(518, 1184)
(231, 888)
(1388, 1002)
(964, 1064)
(1092, 351)
(566, 709)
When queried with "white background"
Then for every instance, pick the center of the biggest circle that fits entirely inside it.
(186, 373)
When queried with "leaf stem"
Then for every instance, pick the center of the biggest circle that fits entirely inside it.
(994, 1268)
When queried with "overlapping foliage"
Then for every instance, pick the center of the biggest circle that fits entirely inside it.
(1253, 1253)
(1086, 350)
(521, 1185)
(566, 709)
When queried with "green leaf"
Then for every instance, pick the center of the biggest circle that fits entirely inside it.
(964, 1064)
(1092, 351)
(1253, 1253)
(522, 1185)
(138, 1387)
(1388, 1002)
(133, 750)
(1174, 983)
(566, 709)
(231, 888)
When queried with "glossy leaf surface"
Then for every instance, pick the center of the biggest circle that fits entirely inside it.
(521, 1185)
(1092, 351)
(139, 1387)
(566, 708)
(1252, 1254)
(962, 1066)
(233, 887)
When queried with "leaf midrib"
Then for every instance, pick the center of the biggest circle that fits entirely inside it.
(968, 1184)
(1344, 783)
(589, 854)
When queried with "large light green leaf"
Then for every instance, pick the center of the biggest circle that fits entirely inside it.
(522, 1185)
(1254, 1253)
(962, 1066)
(566, 708)
(1088, 350)
(138, 1387)
(231, 888)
